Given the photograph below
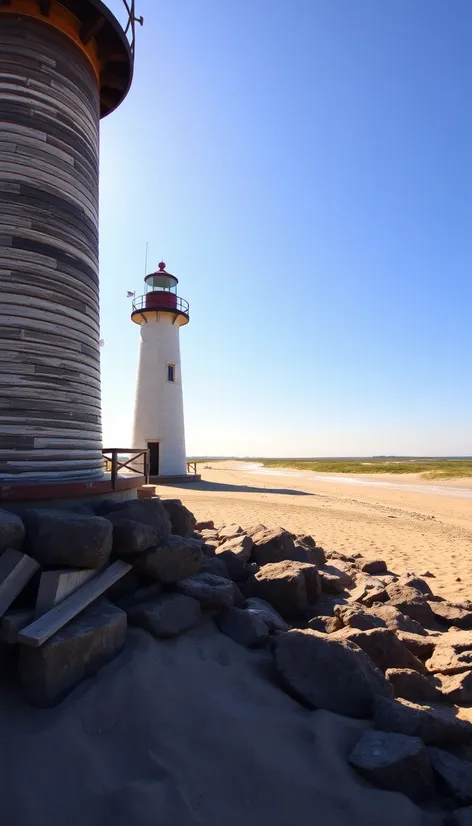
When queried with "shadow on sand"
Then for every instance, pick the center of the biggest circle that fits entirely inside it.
(220, 487)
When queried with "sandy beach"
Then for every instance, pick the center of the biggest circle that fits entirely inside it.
(413, 524)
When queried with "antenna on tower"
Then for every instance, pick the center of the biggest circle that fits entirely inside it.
(146, 259)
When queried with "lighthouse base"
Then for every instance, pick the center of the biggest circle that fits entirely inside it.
(17, 496)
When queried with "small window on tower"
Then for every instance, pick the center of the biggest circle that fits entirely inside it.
(171, 372)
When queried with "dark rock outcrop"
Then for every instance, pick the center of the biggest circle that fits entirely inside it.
(165, 616)
(244, 627)
(410, 685)
(80, 649)
(175, 560)
(433, 726)
(57, 537)
(288, 586)
(12, 531)
(330, 674)
(211, 591)
(395, 762)
(182, 520)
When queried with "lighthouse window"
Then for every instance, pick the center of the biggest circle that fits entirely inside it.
(171, 372)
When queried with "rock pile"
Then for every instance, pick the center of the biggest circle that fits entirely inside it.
(346, 634)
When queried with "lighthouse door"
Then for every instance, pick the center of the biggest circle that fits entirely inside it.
(153, 458)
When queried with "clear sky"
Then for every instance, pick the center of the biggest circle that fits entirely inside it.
(305, 168)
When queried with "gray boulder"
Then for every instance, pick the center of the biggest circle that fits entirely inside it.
(410, 685)
(327, 673)
(57, 537)
(182, 520)
(395, 620)
(124, 587)
(447, 613)
(317, 555)
(47, 674)
(245, 627)
(12, 531)
(384, 648)
(150, 512)
(131, 537)
(331, 583)
(419, 645)
(373, 566)
(166, 616)
(455, 774)
(272, 546)
(338, 571)
(433, 726)
(210, 590)
(325, 625)
(457, 688)
(412, 603)
(145, 593)
(355, 616)
(234, 565)
(462, 817)
(239, 599)
(379, 616)
(450, 659)
(253, 529)
(240, 545)
(210, 536)
(267, 613)
(213, 565)
(416, 582)
(395, 762)
(229, 531)
(288, 586)
(175, 560)
(207, 525)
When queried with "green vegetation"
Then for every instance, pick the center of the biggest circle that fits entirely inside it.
(428, 468)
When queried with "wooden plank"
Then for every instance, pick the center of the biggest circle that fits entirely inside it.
(54, 586)
(43, 628)
(16, 569)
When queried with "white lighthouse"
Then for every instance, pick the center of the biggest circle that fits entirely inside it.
(159, 410)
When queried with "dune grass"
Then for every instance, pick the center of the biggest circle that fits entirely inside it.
(428, 468)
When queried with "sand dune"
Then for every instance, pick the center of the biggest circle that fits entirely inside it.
(411, 530)
(191, 732)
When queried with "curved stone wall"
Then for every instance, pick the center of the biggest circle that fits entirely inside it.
(50, 418)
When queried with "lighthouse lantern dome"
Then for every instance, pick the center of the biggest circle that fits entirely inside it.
(161, 280)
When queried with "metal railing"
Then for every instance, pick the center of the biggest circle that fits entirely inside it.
(130, 28)
(180, 306)
(115, 461)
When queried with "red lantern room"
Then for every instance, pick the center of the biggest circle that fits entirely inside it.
(161, 296)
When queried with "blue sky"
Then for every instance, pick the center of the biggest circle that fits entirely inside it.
(305, 168)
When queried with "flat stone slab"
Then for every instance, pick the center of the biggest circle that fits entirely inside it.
(49, 673)
(395, 762)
